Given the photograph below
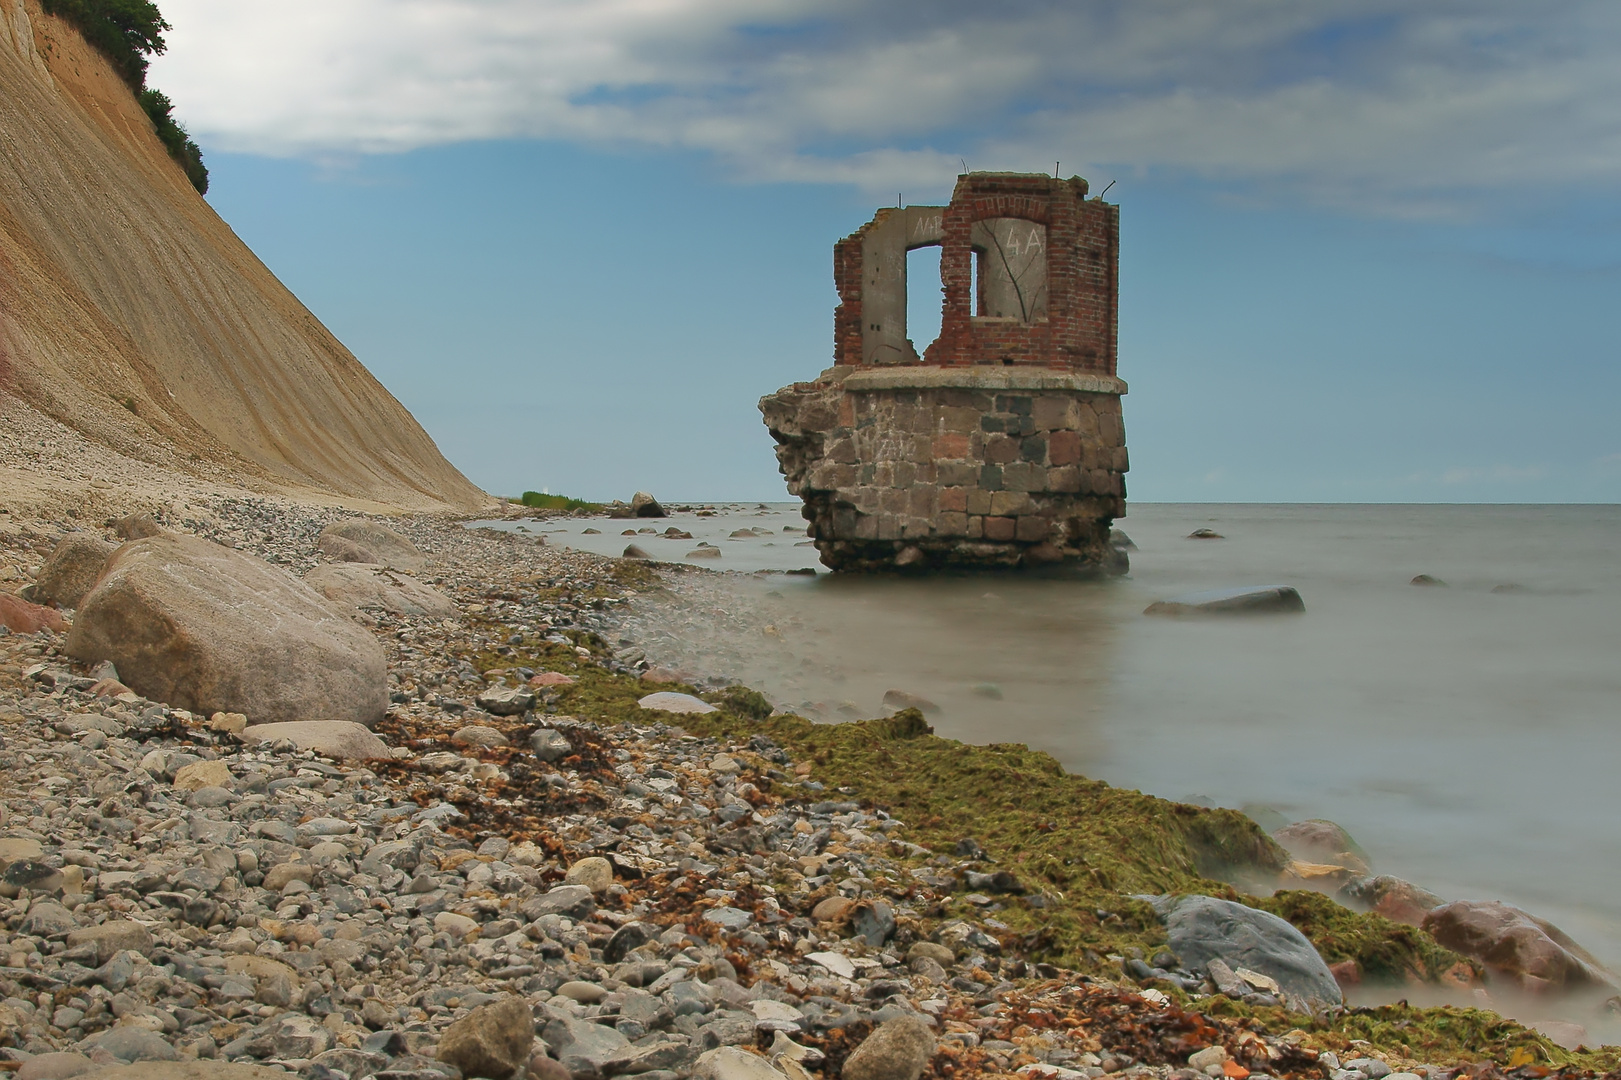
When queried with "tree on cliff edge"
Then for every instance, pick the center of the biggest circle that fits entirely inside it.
(127, 32)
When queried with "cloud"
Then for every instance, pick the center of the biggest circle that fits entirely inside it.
(1423, 107)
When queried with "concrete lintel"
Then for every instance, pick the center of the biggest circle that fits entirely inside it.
(913, 377)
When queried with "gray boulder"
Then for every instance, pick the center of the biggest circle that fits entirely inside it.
(72, 570)
(573, 901)
(550, 744)
(506, 700)
(1244, 600)
(373, 587)
(209, 629)
(362, 541)
(1201, 929)
(131, 1044)
(734, 1063)
(582, 1047)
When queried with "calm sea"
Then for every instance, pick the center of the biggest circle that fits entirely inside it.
(1468, 735)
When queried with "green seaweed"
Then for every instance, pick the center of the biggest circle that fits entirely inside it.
(1080, 849)
(1386, 951)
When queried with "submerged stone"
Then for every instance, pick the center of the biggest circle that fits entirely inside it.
(1244, 600)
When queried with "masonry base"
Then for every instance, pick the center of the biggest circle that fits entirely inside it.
(921, 468)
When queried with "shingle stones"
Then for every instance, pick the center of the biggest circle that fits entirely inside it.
(208, 629)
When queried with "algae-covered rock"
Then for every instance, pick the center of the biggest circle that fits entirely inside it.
(1203, 928)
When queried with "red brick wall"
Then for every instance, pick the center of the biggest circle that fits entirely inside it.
(1083, 269)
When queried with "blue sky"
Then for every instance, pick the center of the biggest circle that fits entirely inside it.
(1368, 253)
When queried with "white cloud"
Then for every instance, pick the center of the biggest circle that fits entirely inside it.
(1347, 102)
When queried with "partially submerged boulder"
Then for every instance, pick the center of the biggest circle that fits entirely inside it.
(644, 505)
(1200, 929)
(1395, 899)
(72, 569)
(209, 629)
(362, 541)
(1243, 600)
(1536, 954)
(376, 587)
(1320, 841)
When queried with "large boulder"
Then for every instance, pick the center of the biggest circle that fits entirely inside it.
(72, 569)
(491, 1041)
(1536, 954)
(362, 541)
(1201, 929)
(644, 505)
(209, 629)
(375, 587)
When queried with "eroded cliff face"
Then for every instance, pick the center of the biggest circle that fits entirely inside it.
(132, 313)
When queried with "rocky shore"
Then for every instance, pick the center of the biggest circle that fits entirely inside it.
(518, 870)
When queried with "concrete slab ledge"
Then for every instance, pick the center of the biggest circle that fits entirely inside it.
(978, 378)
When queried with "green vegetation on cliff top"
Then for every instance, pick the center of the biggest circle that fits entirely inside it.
(1084, 848)
(537, 500)
(127, 33)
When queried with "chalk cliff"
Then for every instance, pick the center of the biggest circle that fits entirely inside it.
(132, 313)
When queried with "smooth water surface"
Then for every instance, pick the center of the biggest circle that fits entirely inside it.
(1468, 738)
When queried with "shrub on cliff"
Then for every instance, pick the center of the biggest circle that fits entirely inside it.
(127, 32)
(539, 501)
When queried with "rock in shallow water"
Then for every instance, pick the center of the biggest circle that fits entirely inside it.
(1244, 600)
(1536, 953)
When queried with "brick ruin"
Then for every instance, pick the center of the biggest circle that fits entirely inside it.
(1003, 444)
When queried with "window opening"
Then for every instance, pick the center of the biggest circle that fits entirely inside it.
(925, 299)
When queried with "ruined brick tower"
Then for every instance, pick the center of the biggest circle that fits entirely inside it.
(1003, 444)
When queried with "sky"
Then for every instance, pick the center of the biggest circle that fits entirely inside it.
(1370, 251)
